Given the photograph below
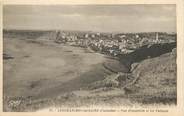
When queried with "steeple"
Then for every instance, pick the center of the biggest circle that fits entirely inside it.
(156, 36)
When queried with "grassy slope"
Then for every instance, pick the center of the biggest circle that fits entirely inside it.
(156, 80)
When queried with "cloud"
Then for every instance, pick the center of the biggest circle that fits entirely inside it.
(155, 10)
(92, 17)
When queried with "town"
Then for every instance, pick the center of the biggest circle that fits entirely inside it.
(113, 44)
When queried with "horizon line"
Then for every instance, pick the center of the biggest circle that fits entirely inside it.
(89, 31)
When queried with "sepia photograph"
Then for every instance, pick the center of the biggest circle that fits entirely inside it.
(89, 55)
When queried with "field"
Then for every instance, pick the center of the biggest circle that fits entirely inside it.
(38, 73)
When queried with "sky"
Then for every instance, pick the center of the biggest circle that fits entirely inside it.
(101, 18)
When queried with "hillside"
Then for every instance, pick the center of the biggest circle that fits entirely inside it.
(150, 81)
(156, 81)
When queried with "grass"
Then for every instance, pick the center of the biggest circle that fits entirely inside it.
(156, 80)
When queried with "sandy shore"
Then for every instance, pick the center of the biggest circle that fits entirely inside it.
(48, 70)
